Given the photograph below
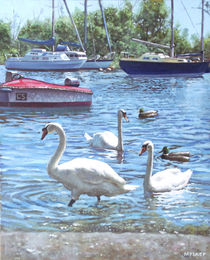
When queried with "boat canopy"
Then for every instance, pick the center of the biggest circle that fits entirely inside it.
(71, 43)
(50, 42)
(189, 54)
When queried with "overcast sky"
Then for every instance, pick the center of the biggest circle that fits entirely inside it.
(21, 10)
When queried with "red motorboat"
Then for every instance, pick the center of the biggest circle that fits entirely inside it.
(18, 91)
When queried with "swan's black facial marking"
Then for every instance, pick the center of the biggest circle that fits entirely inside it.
(143, 149)
(124, 115)
(44, 132)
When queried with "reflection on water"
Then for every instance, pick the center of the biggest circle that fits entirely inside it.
(31, 200)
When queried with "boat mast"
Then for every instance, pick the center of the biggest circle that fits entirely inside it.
(85, 24)
(172, 30)
(53, 24)
(202, 28)
(105, 26)
(75, 28)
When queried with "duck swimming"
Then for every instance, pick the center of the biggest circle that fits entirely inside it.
(175, 156)
(147, 114)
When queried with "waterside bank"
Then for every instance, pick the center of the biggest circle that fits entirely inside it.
(107, 245)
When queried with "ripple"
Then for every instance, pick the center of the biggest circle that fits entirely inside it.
(31, 200)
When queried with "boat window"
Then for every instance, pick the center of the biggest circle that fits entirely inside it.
(155, 58)
(146, 58)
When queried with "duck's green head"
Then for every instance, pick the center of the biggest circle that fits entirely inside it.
(165, 150)
(141, 110)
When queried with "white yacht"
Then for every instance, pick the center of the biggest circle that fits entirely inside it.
(42, 60)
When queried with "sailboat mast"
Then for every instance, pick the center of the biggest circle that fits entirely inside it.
(172, 29)
(202, 29)
(85, 25)
(105, 26)
(75, 28)
(53, 23)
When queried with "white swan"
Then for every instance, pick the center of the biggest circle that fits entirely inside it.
(167, 180)
(81, 175)
(107, 140)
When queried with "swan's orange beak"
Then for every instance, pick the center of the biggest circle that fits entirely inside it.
(44, 133)
(126, 118)
(143, 149)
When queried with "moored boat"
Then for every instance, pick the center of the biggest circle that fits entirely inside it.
(42, 60)
(161, 65)
(18, 91)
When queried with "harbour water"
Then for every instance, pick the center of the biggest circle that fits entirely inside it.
(32, 201)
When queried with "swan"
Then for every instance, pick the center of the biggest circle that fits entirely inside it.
(107, 140)
(167, 180)
(82, 175)
(146, 114)
(175, 156)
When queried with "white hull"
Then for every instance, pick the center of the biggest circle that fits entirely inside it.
(65, 65)
(43, 98)
(96, 64)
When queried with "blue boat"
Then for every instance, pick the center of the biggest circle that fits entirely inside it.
(160, 65)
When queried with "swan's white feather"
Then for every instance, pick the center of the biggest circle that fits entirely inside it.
(167, 180)
(170, 179)
(82, 175)
(104, 139)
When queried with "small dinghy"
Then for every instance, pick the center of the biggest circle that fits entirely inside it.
(18, 91)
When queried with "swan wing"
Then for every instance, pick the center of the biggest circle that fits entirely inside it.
(105, 140)
(170, 179)
(91, 171)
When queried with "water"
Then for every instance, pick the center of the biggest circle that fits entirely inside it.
(31, 200)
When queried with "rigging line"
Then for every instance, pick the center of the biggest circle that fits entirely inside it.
(189, 17)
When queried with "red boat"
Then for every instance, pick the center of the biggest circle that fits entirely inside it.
(18, 91)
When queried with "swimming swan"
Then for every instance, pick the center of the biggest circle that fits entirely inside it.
(81, 175)
(147, 114)
(175, 156)
(107, 140)
(167, 180)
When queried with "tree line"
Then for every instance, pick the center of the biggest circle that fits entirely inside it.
(149, 22)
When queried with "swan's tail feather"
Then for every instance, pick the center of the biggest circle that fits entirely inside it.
(129, 187)
(88, 138)
(188, 173)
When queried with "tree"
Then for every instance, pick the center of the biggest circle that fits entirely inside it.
(5, 40)
(151, 21)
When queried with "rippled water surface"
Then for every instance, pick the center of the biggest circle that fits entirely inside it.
(31, 200)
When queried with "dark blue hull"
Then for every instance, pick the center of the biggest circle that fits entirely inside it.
(163, 69)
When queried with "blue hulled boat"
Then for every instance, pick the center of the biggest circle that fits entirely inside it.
(160, 65)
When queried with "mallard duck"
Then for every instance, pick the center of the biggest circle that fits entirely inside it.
(146, 114)
(166, 180)
(175, 156)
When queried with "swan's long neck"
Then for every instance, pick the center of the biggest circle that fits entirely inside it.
(147, 178)
(120, 138)
(53, 163)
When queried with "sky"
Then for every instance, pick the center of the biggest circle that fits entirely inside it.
(19, 11)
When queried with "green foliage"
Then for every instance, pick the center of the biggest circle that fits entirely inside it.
(150, 22)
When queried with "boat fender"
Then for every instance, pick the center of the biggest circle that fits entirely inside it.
(16, 76)
(11, 75)
(73, 82)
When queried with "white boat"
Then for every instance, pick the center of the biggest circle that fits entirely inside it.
(42, 60)
(97, 62)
